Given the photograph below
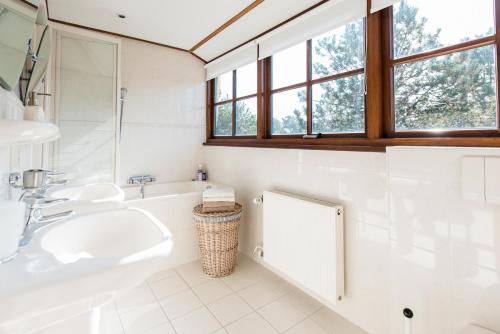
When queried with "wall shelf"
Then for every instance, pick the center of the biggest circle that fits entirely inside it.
(14, 133)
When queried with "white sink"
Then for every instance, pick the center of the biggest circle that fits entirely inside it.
(86, 198)
(115, 234)
(95, 193)
(77, 265)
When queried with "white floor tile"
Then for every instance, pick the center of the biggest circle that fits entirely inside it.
(302, 302)
(307, 327)
(168, 286)
(181, 303)
(243, 277)
(136, 297)
(143, 318)
(220, 331)
(251, 324)
(161, 275)
(110, 320)
(166, 328)
(212, 290)
(262, 293)
(200, 321)
(282, 315)
(192, 273)
(334, 323)
(229, 309)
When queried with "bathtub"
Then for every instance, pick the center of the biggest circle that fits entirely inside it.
(172, 204)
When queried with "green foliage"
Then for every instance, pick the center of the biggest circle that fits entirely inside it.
(246, 120)
(455, 91)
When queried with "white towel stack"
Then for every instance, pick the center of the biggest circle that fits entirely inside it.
(218, 199)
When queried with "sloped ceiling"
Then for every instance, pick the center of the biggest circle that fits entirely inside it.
(180, 24)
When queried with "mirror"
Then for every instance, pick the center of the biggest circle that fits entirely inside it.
(40, 63)
(17, 23)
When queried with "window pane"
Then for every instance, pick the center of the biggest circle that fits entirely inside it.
(246, 117)
(290, 66)
(456, 91)
(338, 51)
(246, 80)
(422, 25)
(339, 106)
(289, 112)
(224, 87)
(224, 119)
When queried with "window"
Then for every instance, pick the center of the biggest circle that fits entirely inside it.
(318, 86)
(235, 107)
(420, 72)
(443, 66)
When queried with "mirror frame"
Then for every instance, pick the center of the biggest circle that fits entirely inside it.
(45, 36)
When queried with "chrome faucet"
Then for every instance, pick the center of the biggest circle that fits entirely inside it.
(141, 180)
(35, 183)
(35, 220)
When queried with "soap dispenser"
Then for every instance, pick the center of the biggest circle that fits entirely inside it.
(32, 111)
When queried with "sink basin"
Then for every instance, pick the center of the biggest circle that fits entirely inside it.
(75, 266)
(95, 193)
(111, 234)
(86, 198)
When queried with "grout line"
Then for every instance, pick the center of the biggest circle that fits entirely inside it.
(161, 307)
(119, 317)
(203, 305)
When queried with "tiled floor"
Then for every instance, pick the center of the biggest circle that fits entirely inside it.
(250, 301)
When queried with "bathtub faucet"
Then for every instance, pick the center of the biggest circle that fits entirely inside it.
(141, 180)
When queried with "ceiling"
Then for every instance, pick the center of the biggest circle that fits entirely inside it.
(180, 24)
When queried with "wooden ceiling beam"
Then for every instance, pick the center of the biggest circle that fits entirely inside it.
(226, 24)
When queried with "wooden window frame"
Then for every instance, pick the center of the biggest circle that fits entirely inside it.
(391, 63)
(211, 86)
(379, 101)
(308, 85)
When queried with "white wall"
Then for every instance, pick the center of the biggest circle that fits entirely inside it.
(163, 124)
(164, 113)
(411, 241)
(15, 159)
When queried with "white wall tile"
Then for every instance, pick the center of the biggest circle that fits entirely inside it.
(165, 106)
(411, 239)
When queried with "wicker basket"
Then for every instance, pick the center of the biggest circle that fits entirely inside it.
(218, 240)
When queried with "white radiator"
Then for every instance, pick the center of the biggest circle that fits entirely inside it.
(304, 243)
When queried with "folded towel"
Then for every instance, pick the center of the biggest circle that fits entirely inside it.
(218, 204)
(218, 199)
(218, 192)
(205, 209)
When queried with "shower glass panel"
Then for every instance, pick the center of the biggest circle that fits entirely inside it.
(85, 108)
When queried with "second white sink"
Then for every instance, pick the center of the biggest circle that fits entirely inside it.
(86, 198)
(95, 193)
(108, 234)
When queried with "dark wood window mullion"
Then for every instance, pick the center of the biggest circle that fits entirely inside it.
(268, 84)
(473, 44)
(497, 42)
(387, 72)
(309, 87)
(234, 104)
(210, 109)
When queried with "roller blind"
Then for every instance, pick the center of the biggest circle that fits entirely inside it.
(331, 15)
(381, 4)
(239, 57)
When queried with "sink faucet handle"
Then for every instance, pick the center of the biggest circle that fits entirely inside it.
(57, 183)
(40, 202)
(14, 179)
(50, 174)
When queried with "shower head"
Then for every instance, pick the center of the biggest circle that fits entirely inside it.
(123, 93)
